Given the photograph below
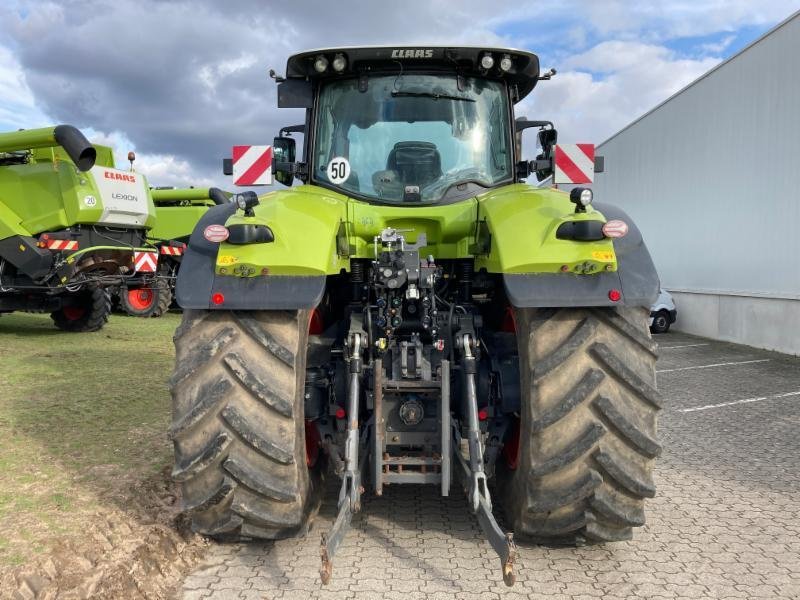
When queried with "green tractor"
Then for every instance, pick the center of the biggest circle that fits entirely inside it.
(177, 213)
(415, 313)
(71, 225)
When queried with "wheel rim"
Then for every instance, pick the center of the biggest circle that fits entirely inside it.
(141, 298)
(73, 313)
(661, 322)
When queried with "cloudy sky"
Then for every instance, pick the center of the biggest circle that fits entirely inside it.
(181, 81)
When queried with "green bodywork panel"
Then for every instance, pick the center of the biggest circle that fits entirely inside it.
(176, 222)
(305, 221)
(178, 211)
(317, 231)
(49, 193)
(528, 218)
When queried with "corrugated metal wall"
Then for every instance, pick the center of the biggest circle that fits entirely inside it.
(712, 176)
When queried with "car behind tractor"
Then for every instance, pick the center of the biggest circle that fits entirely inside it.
(177, 213)
(415, 313)
(71, 225)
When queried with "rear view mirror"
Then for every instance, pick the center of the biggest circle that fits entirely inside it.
(283, 155)
(295, 93)
(547, 137)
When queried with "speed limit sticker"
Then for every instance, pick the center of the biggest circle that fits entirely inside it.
(338, 169)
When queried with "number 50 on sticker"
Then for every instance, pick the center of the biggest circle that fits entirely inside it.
(338, 170)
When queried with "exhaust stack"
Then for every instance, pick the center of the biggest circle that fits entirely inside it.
(82, 153)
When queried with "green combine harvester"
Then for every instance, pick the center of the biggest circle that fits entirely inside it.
(71, 226)
(415, 313)
(177, 213)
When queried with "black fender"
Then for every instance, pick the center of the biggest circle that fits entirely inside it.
(198, 282)
(636, 277)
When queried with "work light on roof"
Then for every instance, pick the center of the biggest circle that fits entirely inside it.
(505, 63)
(320, 64)
(339, 63)
(487, 61)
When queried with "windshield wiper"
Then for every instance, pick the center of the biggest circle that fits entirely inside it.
(464, 182)
(430, 95)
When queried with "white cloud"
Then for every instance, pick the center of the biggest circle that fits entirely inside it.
(633, 78)
(716, 48)
(650, 20)
(182, 81)
(160, 169)
(17, 104)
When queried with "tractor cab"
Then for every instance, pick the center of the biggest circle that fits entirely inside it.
(407, 125)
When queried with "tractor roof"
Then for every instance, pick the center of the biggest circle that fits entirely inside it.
(464, 60)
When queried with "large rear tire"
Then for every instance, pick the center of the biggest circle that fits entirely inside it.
(238, 426)
(587, 427)
(87, 310)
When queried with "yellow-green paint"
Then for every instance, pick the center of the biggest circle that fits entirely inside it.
(449, 229)
(522, 221)
(47, 193)
(317, 231)
(305, 221)
(176, 221)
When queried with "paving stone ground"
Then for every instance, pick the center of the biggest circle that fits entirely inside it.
(725, 522)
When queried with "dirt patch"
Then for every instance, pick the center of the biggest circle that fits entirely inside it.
(87, 509)
(142, 552)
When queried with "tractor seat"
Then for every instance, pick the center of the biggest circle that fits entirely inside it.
(416, 163)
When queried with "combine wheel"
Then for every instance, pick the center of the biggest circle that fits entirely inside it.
(88, 310)
(238, 427)
(586, 440)
(146, 300)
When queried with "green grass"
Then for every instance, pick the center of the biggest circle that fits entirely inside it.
(83, 417)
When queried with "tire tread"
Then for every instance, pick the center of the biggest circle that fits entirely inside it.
(588, 425)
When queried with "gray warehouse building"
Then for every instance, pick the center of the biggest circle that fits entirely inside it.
(712, 178)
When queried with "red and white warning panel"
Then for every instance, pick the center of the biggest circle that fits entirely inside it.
(574, 163)
(145, 262)
(252, 165)
(59, 245)
(171, 250)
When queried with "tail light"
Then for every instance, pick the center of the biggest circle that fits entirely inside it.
(615, 228)
(216, 233)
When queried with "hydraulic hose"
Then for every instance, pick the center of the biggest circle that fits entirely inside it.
(218, 196)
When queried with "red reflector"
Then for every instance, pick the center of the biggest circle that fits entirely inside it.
(614, 295)
(615, 228)
(509, 321)
(216, 233)
(340, 413)
(483, 414)
(217, 298)
(315, 324)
